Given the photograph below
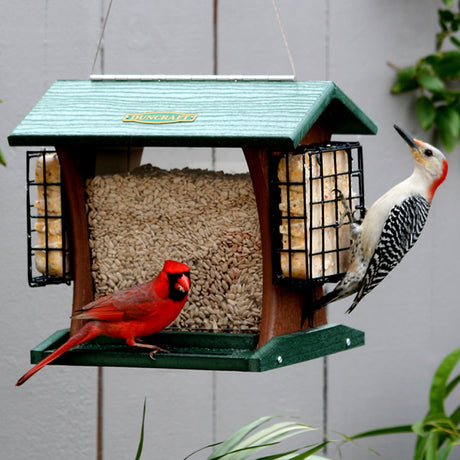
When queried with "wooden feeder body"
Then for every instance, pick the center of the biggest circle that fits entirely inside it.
(90, 124)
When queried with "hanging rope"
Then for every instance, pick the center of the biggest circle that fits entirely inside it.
(101, 37)
(278, 17)
(286, 44)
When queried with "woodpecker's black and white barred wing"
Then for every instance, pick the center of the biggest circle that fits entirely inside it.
(401, 230)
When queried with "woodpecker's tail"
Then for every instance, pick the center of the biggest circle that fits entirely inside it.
(325, 300)
(353, 305)
(87, 332)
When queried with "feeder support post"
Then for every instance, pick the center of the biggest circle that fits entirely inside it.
(77, 164)
(72, 173)
(283, 308)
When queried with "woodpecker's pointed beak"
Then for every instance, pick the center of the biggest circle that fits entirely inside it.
(183, 283)
(407, 137)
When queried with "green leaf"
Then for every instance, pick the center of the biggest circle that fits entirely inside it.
(243, 453)
(240, 434)
(242, 444)
(455, 417)
(405, 80)
(440, 37)
(426, 63)
(430, 82)
(448, 122)
(445, 16)
(448, 3)
(384, 431)
(419, 428)
(444, 453)
(452, 384)
(202, 448)
(438, 389)
(307, 454)
(432, 445)
(284, 455)
(310, 452)
(275, 433)
(141, 441)
(426, 113)
(454, 40)
(420, 447)
(2, 159)
(448, 64)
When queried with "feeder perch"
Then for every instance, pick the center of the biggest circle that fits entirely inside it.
(300, 180)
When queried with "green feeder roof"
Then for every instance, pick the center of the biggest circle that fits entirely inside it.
(202, 113)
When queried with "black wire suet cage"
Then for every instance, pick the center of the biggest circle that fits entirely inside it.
(316, 192)
(48, 253)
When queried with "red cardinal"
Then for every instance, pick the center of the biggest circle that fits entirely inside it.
(136, 312)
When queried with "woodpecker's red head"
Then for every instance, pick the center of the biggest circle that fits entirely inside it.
(428, 159)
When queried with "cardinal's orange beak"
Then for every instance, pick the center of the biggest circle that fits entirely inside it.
(183, 283)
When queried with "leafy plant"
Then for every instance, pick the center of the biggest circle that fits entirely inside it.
(435, 77)
(141, 440)
(251, 438)
(438, 433)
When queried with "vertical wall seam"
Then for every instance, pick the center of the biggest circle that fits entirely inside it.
(100, 370)
(327, 30)
(45, 47)
(325, 395)
(215, 60)
(215, 69)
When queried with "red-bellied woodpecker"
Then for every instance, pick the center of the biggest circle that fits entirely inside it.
(392, 225)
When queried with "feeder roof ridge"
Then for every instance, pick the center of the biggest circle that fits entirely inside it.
(202, 113)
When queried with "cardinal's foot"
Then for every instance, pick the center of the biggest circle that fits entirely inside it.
(155, 351)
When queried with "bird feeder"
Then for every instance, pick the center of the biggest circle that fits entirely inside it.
(300, 182)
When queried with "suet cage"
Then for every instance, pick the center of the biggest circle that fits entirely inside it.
(316, 192)
(48, 249)
(101, 126)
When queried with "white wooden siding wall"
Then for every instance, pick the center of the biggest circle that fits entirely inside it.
(411, 320)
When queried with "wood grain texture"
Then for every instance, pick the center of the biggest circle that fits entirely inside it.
(73, 175)
(284, 308)
(274, 114)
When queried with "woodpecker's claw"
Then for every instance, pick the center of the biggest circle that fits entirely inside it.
(347, 212)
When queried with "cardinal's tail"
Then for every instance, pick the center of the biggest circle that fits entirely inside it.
(87, 332)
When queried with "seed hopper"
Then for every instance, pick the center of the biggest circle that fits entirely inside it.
(260, 246)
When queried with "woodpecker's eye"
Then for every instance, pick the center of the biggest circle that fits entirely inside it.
(428, 153)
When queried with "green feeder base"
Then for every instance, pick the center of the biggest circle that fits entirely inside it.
(206, 350)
